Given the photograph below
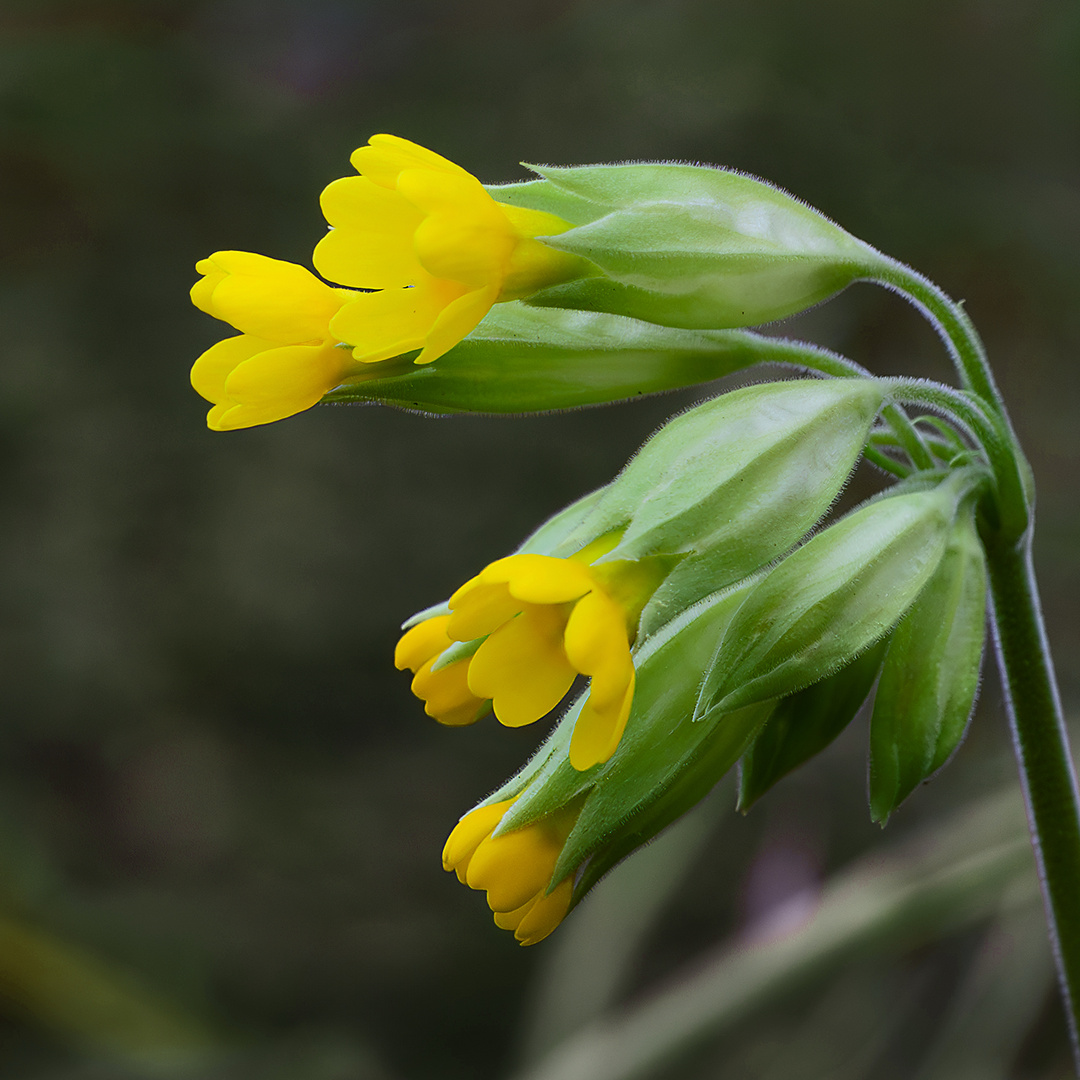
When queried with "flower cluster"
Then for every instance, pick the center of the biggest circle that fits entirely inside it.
(535, 623)
(424, 251)
(514, 868)
(694, 601)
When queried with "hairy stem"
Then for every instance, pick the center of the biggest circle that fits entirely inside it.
(1042, 749)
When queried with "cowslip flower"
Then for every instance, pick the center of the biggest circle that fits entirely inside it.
(435, 245)
(538, 623)
(514, 868)
(285, 358)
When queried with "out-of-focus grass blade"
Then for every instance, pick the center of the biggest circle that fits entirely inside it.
(594, 951)
(957, 873)
(997, 1003)
(102, 1010)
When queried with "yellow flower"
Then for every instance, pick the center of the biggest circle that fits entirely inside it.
(285, 358)
(445, 692)
(543, 622)
(439, 249)
(514, 869)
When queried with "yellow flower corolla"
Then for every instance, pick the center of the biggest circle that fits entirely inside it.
(540, 622)
(435, 245)
(514, 869)
(285, 358)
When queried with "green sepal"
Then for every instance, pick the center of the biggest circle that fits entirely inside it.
(931, 674)
(804, 723)
(432, 612)
(733, 483)
(524, 359)
(459, 650)
(544, 195)
(660, 740)
(833, 597)
(549, 536)
(727, 740)
(694, 246)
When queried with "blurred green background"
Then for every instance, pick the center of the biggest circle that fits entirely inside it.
(220, 809)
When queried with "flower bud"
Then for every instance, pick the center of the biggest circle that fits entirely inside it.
(734, 483)
(514, 868)
(434, 246)
(555, 827)
(931, 674)
(715, 495)
(834, 596)
(690, 246)
(805, 722)
(285, 358)
(527, 359)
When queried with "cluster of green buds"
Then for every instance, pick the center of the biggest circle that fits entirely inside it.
(717, 606)
(714, 626)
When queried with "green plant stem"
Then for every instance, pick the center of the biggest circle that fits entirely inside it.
(886, 463)
(992, 432)
(1042, 750)
(952, 324)
(815, 358)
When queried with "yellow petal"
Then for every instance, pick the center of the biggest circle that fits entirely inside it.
(479, 608)
(446, 694)
(280, 382)
(509, 920)
(532, 265)
(209, 372)
(455, 321)
(386, 156)
(514, 867)
(202, 292)
(597, 731)
(597, 646)
(522, 666)
(464, 237)
(469, 831)
(271, 299)
(528, 223)
(216, 416)
(541, 918)
(540, 579)
(383, 324)
(371, 243)
(421, 643)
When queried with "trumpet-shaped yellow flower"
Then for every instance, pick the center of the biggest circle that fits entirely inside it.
(285, 358)
(514, 869)
(543, 622)
(439, 250)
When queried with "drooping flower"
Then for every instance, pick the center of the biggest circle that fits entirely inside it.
(538, 623)
(514, 868)
(437, 247)
(285, 358)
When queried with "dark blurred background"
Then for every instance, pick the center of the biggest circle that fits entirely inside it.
(221, 811)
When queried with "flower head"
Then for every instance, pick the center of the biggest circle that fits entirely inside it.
(538, 623)
(514, 868)
(285, 358)
(439, 250)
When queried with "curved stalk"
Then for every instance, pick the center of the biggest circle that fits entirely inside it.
(952, 324)
(815, 358)
(1011, 470)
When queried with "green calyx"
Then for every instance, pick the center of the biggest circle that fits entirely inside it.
(835, 596)
(690, 246)
(931, 673)
(523, 359)
(732, 484)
